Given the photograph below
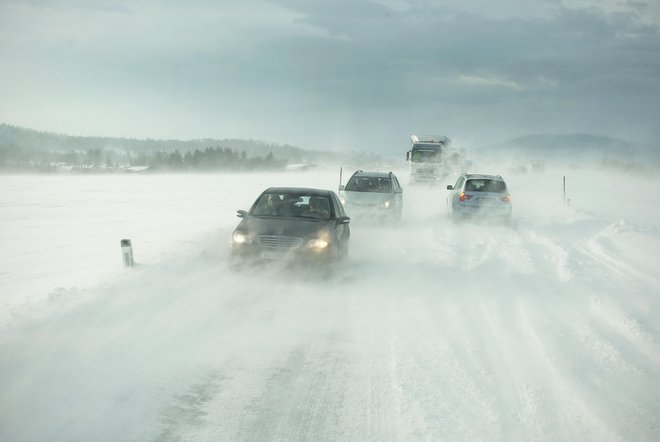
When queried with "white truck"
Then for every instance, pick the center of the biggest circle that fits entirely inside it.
(432, 158)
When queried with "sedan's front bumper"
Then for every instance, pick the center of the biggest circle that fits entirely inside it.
(255, 253)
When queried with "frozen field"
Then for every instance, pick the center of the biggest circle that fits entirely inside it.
(431, 330)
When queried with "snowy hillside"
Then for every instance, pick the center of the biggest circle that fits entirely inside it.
(575, 151)
(430, 331)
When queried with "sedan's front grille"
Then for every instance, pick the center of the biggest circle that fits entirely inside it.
(279, 243)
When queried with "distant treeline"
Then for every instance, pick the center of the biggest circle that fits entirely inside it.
(212, 158)
(209, 159)
(28, 150)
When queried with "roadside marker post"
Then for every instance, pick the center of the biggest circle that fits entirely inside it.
(127, 253)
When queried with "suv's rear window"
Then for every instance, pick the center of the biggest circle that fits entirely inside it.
(369, 184)
(485, 185)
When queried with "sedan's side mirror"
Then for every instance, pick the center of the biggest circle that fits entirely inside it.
(450, 187)
(343, 220)
(341, 187)
(241, 213)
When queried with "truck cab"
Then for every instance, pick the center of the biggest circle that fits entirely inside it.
(428, 157)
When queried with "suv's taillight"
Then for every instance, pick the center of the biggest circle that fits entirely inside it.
(506, 199)
(464, 197)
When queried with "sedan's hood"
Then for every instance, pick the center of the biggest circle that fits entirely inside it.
(297, 227)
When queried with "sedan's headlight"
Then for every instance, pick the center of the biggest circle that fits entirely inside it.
(241, 237)
(386, 204)
(317, 243)
(342, 199)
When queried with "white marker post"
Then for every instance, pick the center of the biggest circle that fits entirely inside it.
(127, 252)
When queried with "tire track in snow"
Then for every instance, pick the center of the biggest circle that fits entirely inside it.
(440, 398)
(613, 266)
(550, 251)
(604, 352)
(375, 398)
(521, 397)
(577, 414)
(628, 327)
(298, 401)
(264, 322)
(614, 374)
(485, 246)
(188, 410)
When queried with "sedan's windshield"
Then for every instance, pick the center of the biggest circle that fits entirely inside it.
(292, 205)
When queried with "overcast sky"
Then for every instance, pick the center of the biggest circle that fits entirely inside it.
(340, 74)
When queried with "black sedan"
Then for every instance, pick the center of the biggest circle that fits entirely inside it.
(293, 224)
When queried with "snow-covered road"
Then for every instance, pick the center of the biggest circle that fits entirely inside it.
(431, 330)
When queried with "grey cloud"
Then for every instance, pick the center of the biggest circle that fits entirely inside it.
(387, 59)
(356, 63)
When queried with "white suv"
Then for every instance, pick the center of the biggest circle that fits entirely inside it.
(372, 195)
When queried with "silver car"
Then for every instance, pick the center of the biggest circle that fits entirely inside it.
(480, 197)
(372, 195)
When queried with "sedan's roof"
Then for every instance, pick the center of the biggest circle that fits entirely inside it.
(299, 191)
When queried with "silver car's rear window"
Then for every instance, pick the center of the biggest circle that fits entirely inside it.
(485, 185)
